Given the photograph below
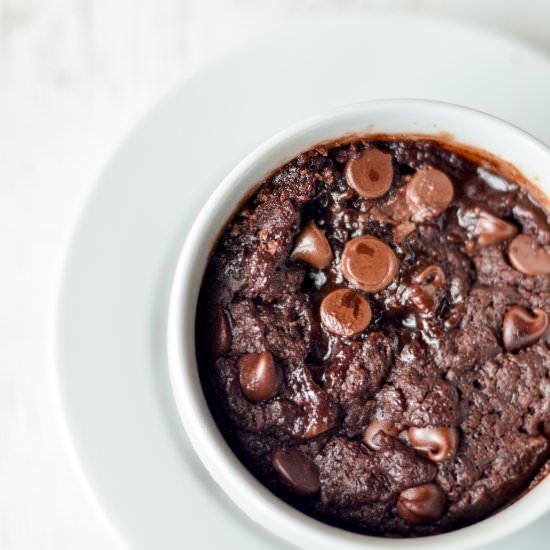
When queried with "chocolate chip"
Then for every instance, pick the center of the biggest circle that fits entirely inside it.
(422, 504)
(369, 263)
(296, 471)
(439, 443)
(425, 295)
(431, 275)
(429, 193)
(485, 228)
(219, 330)
(529, 257)
(312, 247)
(521, 328)
(371, 174)
(260, 376)
(345, 312)
(370, 436)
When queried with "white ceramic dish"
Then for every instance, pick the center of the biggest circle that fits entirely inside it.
(468, 127)
(111, 373)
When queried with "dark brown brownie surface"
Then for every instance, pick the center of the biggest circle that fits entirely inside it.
(434, 355)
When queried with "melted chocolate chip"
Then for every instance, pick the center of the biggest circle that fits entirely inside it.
(420, 299)
(439, 443)
(371, 174)
(422, 504)
(345, 312)
(484, 228)
(312, 247)
(429, 193)
(431, 275)
(369, 263)
(521, 328)
(529, 257)
(260, 376)
(370, 438)
(296, 471)
(320, 413)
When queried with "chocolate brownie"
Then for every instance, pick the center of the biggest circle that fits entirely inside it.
(372, 335)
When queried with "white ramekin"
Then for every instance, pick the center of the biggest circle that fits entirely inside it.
(399, 116)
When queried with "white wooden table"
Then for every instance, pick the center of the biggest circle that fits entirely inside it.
(75, 75)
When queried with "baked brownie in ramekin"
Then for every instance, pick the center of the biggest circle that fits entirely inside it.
(372, 335)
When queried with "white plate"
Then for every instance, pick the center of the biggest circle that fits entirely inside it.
(110, 318)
